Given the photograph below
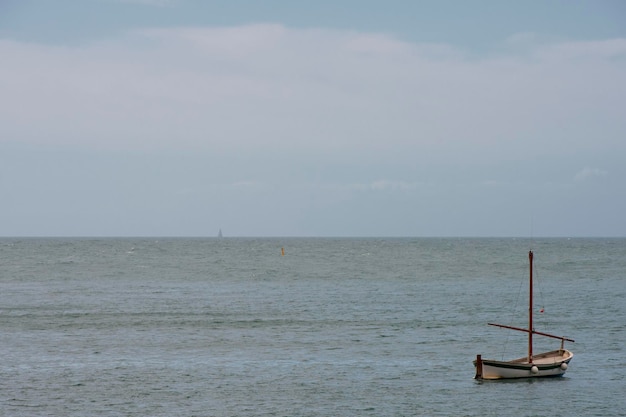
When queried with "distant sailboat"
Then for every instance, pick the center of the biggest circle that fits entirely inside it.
(219, 234)
(553, 363)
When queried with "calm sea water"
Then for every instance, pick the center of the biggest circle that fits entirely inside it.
(335, 327)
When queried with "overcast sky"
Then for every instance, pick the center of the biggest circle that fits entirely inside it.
(312, 118)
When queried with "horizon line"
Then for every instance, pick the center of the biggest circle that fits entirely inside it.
(304, 237)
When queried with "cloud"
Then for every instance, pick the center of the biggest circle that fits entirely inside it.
(247, 184)
(155, 3)
(588, 173)
(267, 129)
(384, 185)
(270, 88)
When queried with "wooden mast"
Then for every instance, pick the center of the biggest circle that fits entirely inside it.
(530, 310)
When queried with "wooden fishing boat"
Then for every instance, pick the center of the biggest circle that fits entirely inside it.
(553, 363)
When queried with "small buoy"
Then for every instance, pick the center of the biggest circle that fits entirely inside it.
(534, 369)
(282, 251)
(541, 311)
(563, 366)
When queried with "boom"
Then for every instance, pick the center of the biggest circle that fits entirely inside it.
(528, 331)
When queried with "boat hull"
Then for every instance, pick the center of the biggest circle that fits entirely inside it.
(548, 364)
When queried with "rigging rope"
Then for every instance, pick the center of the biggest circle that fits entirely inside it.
(512, 313)
(541, 303)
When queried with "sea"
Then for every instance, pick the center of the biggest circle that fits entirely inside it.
(305, 326)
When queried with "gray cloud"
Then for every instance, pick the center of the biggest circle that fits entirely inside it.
(329, 128)
(270, 85)
(587, 173)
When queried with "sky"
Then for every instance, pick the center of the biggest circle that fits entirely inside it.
(338, 118)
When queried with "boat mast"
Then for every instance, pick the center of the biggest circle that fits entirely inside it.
(530, 311)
